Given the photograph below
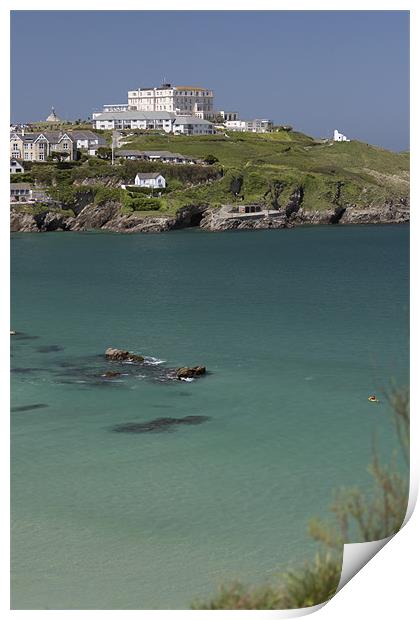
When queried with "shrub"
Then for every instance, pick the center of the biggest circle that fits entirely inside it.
(141, 203)
(105, 194)
(210, 159)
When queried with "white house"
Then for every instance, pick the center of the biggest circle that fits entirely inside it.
(339, 137)
(258, 125)
(16, 167)
(236, 125)
(88, 141)
(20, 192)
(150, 179)
(134, 119)
(192, 126)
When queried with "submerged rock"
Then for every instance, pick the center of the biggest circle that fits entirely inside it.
(122, 356)
(29, 407)
(188, 373)
(158, 425)
(50, 348)
(111, 373)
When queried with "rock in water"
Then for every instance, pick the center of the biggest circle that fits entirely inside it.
(188, 373)
(111, 373)
(122, 356)
(158, 425)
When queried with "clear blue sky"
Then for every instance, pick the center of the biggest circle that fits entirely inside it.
(316, 70)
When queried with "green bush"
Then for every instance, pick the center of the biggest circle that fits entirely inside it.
(21, 177)
(141, 203)
(105, 194)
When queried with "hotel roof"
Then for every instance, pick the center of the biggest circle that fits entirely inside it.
(134, 115)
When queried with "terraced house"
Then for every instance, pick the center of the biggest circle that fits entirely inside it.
(38, 146)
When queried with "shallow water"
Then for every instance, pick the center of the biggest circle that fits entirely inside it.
(296, 327)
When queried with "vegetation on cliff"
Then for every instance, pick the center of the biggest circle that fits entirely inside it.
(275, 169)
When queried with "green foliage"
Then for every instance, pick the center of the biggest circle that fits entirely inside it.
(141, 203)
(107, 194)
(370, 175)
(314, 583)
(210, 159)
(367, 175)
(21, 177)
(104, 152)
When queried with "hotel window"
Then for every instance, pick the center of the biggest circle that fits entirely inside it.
(41, 156)
(65, 145)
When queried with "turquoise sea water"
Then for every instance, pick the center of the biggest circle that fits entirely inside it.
(296, 326)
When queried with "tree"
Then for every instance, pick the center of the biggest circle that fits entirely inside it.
(58, 156)
(104, 152)
(210, 159)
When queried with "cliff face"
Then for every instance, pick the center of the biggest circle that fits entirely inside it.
(107, 217)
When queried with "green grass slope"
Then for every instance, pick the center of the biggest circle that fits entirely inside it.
(329, 173)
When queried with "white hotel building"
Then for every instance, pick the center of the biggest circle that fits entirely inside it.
(158, 121)
(182, 100)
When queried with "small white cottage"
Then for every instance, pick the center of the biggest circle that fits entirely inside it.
(16, 167)
(150, 179)
(340, 137)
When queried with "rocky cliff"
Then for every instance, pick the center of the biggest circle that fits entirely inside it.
(108, 217)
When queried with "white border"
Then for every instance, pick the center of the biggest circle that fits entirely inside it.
(386, 586)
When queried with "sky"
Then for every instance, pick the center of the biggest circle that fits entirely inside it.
(315, 70)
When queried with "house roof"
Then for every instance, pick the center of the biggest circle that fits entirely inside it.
(191, 120)
(52, 136)
(164, 154)
(149, 175)
(20, 186)
(134, 115)
(86, 135)
(193, 88)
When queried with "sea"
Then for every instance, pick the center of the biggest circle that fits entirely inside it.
(113, 508)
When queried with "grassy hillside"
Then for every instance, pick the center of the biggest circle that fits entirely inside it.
(263, 168)
(362, 174)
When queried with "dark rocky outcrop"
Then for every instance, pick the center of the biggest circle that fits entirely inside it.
(295, 202)
(189, 216)
(272, 195)
(159, 425)
(119, 355)
(337, 215)
(188, 373)
(110, 374)
(95, 216)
